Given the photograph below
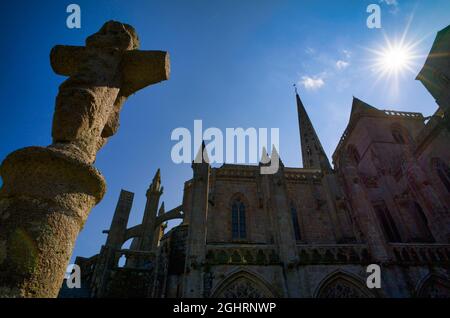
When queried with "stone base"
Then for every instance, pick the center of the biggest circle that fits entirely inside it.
(44, 202)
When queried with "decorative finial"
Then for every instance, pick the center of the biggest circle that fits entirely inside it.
(157, 176)
(162, 209)
(264, 156)
(155, 186)
(202, 155)
(295, 88)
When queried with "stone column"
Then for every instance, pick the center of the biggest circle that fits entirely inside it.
(283, 227)
(118, 228)
(47, 193)
(158, 230)
(196, 240)
(44, 202)
(329, 184)
(146, 241)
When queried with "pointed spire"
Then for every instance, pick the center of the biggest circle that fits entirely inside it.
(155, 186)
(265, 159)
(275, 155)
(162, 209)
(313, 154)
(157, 177)
(202, 155)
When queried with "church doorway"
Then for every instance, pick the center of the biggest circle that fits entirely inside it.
(243, 285)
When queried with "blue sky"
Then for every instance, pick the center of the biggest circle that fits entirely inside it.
(233, 65)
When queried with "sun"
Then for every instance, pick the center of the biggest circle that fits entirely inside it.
(394, 60)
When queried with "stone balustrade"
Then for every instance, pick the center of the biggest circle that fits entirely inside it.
(412, 115)
(247, 254)
(421, 254)
(333, 254)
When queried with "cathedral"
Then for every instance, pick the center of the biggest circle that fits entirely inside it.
(306, 232)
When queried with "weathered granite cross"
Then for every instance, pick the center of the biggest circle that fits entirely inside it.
(102, 75)
(48, 192)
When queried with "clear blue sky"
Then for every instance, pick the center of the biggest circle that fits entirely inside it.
(233, 65)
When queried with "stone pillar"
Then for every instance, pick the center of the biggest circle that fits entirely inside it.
(196, 240)
(116, 233)
(158, 231)
(44, 202)
(329, 184)
(284, 229)
(47, 193)
(149, 220)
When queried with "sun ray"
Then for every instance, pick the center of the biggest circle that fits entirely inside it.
(394, 59)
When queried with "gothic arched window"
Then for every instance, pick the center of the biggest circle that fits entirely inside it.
(435, 287)
(294, 217)
(343, 286)
(243, 285)
(238, 220)
(443, 172)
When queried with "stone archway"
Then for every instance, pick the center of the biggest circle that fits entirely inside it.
(243, 285)
(342, 285)
(434, 287)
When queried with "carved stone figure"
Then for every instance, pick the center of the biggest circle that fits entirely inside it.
(101, 77)
(47, 193)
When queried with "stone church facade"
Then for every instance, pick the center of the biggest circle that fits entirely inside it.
(302, 232)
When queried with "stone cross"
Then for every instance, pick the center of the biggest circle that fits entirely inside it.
(102, 75)
(48, 192)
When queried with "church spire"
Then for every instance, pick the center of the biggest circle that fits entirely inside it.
(155, 186)
(202, 154)
(313, 154)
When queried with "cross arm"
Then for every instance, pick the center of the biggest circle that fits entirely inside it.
(143, 68)
(65, 59)
(139, 68)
